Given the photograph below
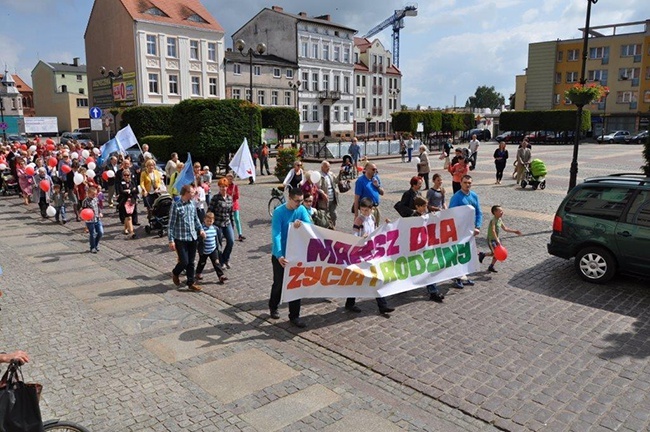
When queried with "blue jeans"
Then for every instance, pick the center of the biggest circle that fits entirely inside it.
(410, 151)
(229, 234)
(60, 213)
(186, 252)
(95, 233)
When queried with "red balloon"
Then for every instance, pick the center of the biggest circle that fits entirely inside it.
(500, 253)
(49, 141)
(23, 147)
(105, 175)
(29, 170)
(65, 168)
(44, 185)
(89, 160)
(50, 147)
(87, 214)
(52, 161)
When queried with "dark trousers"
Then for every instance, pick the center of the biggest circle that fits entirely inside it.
(43, 205)
(500, 166)
(455, 186)
(381, 302)
(425, 177)
(276, 291)
(264, 165)
(203, 259)
(186, 251)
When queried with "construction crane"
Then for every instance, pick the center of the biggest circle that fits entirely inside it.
(397, 21)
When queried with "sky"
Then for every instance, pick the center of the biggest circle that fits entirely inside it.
(446, 52)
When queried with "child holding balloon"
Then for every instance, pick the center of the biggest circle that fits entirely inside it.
(58, 202)
(91, 214)
(497, 251)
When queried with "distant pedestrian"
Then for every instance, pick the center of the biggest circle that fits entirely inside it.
(500, 160)
(423, 166)
(170, 167)
(436, 195)
(329, 193)
(264, 159)
(473, 146)
(409, 146)
(402, 148)
(355, 152)
(524, 157)
(58, 202)
(457, 171)
(94, 225)
(494, 229)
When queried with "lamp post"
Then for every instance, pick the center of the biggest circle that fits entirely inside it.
(368, 118)
(2, 120)
(112, 76)
(573, 171)
(295, 86)
(602, 134)
(240, 46)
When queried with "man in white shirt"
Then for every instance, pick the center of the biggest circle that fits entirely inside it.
(328, 191)
(473, 151)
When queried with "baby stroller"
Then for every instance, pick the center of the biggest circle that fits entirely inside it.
(348, 170)
(8, 183)
(535, 175)
(158, 214)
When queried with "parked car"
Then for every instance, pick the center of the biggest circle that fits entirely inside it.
(639, 138)
(541, 136)
(13, 138)
(510, 136)
(614, 137)
(604, 223)
(481, 134)
(81, 138)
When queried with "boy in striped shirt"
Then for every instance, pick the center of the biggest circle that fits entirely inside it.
(209, 249)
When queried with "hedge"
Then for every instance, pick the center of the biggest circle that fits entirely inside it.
(433, 121)
(162, 146)
(555, 120)
(285, 121)
(148, 120)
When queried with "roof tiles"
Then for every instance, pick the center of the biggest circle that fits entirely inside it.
(176, 12)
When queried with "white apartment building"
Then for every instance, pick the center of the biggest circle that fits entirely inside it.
(323, 52)
(153, 52)
(378, 85)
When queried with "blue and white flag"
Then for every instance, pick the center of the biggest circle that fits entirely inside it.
(111, 146)
(186, 175)
(126, 138)
(242, 162)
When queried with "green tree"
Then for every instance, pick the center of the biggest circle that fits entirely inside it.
(148, 120)
(284, 161)
(285, 121)
(646, 156)
(485, 97)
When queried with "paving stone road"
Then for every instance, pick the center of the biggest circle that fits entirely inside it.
(529, 348)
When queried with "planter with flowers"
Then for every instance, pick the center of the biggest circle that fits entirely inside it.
(582, 95)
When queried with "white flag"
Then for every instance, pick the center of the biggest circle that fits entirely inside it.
(126, 138)
(242, 163)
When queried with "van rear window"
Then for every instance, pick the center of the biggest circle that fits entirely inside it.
(599, 202)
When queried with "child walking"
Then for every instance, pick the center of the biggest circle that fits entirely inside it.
(94, 226)
(421, 208)
(58, 202)
(495, 227)
(209, 249)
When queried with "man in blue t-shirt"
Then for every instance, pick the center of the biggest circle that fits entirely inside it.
(368, 186)
(466, 196)
(287, 213)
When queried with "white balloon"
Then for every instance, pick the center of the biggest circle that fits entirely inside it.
(417, 160)
(85, 154)
(96, 151)
(92, 166)
(74, 155)
(33, 165)
(314, 176)
(51, 211)
(32, 148)
(90, 173)
(78, 179)
(140, 189)
(110, 173)
(3, 167)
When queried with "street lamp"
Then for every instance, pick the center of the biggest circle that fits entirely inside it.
(573, 171)
(295, 86)
(368, 118)
(240, 45)
(112, 76)
(602, 135)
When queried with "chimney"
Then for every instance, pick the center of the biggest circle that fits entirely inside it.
(302, 14)
(75, 61)
(323, 17)
(277, 8)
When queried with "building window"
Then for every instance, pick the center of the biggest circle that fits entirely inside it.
(314, 82)
(630, 50)
(194, 50)
(236, 68)
(64, 88)
(287, 98)
(212, 83)
(248, 95)
(212, 51)
(346, 85)
(356, 57)
(277, 73)
(337, 83)
(155, 11)
(572, 55)
(326, 52)
(236, 93)
(151, 45)
(363, 103)
(153, 83)
(571, 77)
(305, 81)
(337, 114)
(346, 55)
(314, 113)
(196, 86)
(80, 78)
(628, 73)
(597, 75)
(557, 98)
(257, 70)
(625, 97)
(558, 77)
(274, 97)
(171, 47)
(305, 113)
(62, 75)
(346, 114)
(647, 73)
(358, 80)
(82, 91)
(289, 73)
(358, 102)
(337, 53)
(314, 50)
(326, 82)
(81, 102)
(196, 18)
(560, 55)
(304, 49)
(261, 97)
(173, 84)
(597, 52)
(363, 80)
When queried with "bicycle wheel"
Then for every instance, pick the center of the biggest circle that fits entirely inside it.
(273, 203)
(63, 426)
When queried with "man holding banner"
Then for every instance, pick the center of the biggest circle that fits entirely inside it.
(290, 212)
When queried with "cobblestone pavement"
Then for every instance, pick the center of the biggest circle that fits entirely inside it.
(529, 348)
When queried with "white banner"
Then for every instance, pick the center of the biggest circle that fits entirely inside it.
(403, 255)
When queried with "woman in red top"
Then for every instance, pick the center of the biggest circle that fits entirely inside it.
(458, 170)
(309, 187)
(233, 191)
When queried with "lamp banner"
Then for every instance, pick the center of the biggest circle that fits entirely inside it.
(398, 256)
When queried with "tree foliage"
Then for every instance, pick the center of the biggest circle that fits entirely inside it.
(162, 145)
(148, 120)
(555, 120)
(284, 161)
(485, 97)
(285, 121)
(433, 121)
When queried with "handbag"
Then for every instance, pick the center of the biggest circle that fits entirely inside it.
(344, 186)
(129, 206)
(19, 409)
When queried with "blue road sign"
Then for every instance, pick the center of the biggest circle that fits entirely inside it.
(95, 113)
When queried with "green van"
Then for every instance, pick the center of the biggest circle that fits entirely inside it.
(605, 224)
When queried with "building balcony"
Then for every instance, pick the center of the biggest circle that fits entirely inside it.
(331, 95)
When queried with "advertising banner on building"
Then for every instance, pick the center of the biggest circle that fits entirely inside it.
(400, 256)
(118, 92)
(37, 125)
